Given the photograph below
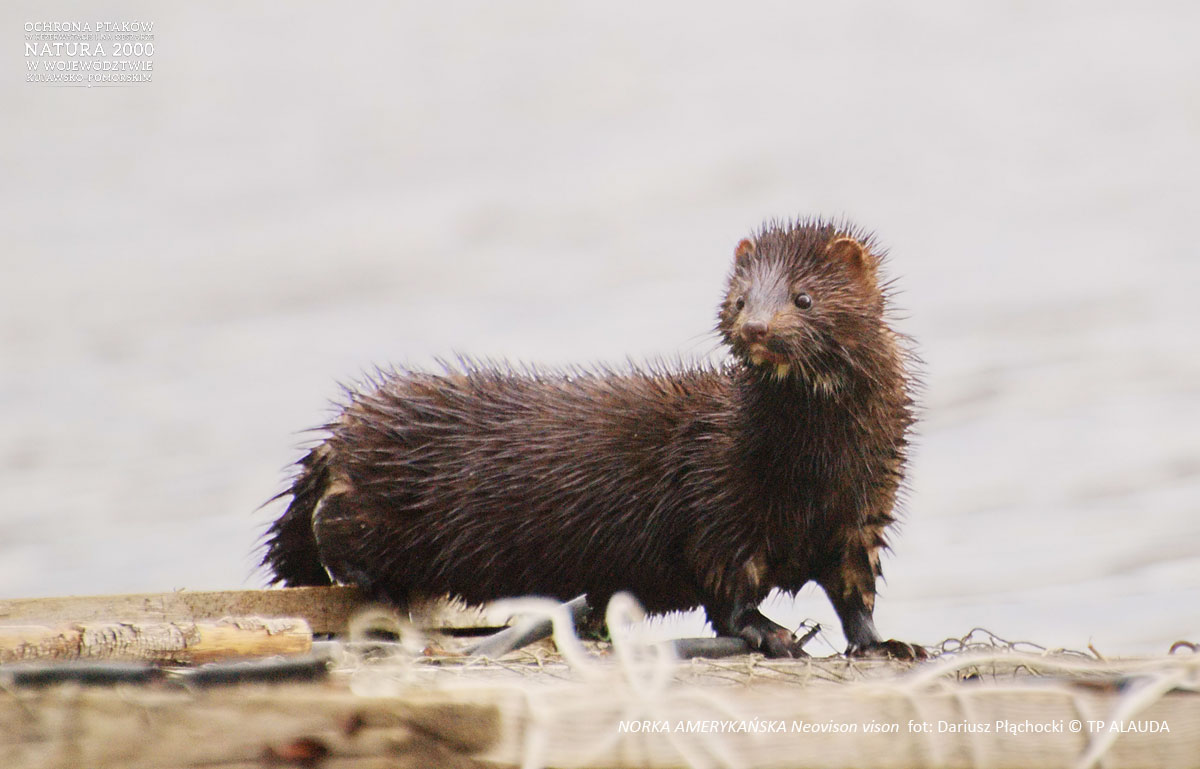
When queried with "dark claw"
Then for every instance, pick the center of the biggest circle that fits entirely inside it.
(891, 649)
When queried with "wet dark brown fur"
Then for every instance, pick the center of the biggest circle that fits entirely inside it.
(698, 487)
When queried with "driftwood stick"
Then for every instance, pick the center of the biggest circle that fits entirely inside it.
(89, 672)
(726, 646)
(525, 632)
(274, 670)
(172, 643)
(711, 648)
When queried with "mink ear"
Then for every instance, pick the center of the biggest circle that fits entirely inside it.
(854, 255)
(744, 250)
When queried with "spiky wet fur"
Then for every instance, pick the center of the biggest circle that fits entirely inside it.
(704, 486)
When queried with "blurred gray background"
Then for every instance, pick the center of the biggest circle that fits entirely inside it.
(303, 191)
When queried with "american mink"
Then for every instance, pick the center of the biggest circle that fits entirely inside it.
(706, 486)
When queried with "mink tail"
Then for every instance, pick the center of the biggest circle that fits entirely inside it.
(291, 546)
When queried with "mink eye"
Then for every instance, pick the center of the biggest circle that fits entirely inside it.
(740, 304)
(803, 301)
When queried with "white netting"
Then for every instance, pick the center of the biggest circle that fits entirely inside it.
(631, 702)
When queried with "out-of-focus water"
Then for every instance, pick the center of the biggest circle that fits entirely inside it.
(189, 266)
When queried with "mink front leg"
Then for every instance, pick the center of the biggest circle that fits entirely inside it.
(851, 589)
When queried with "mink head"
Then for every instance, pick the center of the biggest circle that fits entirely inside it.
(804, 300)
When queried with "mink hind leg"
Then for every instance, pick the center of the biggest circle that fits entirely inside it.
(739, 617)
(351, 546)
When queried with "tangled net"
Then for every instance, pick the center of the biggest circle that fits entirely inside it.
(584, 691)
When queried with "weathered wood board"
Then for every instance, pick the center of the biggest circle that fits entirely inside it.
(326, 609)
(328, 726)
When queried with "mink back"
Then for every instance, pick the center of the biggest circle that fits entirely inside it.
(487, 481)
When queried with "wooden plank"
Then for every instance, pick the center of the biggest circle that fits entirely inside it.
(326, 609)
(581, 726)
(65, 727)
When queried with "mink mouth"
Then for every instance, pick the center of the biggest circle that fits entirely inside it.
(760, 353)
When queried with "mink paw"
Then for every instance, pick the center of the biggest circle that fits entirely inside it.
(891, 649)
(782, 644)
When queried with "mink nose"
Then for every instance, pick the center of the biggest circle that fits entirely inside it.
(754, 331)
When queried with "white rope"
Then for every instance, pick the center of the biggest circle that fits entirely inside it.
(1136, 699)
(581, 693)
